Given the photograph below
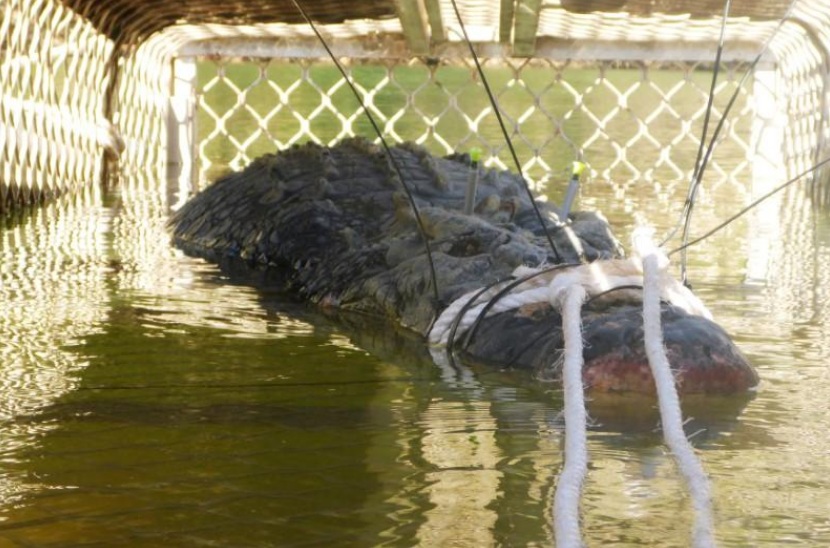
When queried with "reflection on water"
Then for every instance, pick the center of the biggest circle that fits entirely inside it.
(148, 399)
(459, 442)
(52, 296)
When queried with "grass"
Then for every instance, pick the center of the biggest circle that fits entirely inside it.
(631, 123)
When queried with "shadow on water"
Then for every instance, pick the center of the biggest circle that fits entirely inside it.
(623, 413)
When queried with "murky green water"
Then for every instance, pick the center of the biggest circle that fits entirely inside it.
(148, 400)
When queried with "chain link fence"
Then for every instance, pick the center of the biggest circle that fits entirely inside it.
(628, 121)
(54, 80)
(82, 104)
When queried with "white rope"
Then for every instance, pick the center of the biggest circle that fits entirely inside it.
(567, 290)
(569, 486)
(439, 334)
(595, 277)
(654, 262)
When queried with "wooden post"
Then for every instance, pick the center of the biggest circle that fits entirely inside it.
(438, 33)
(506, 21)
(525, 27)
(415, 25)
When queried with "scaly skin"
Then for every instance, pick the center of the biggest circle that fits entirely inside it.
(337, 226)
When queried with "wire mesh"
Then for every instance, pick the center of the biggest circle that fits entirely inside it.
(53, 77)
(75, 96)
(628, 120)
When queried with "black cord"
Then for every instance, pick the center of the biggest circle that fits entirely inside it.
(504, 291)
(710, 148)
(388, 150)
(613, 289)
(458, 317)
(469, 304)
(496, 109)
(696, 176)
(701, 164)
(751, 206)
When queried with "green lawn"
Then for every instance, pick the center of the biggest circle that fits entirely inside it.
(550, 112)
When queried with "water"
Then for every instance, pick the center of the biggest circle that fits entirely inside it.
(149, 399)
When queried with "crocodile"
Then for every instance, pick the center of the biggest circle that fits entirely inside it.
(365, 230)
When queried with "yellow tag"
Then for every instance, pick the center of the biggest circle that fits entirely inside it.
(578, 168)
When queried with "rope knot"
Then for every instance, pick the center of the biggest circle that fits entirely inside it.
(559, 286)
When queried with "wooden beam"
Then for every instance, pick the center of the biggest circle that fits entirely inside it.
(393, 47)
(506, 21)
(526, 23)
(415, 25)
(436, 22)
